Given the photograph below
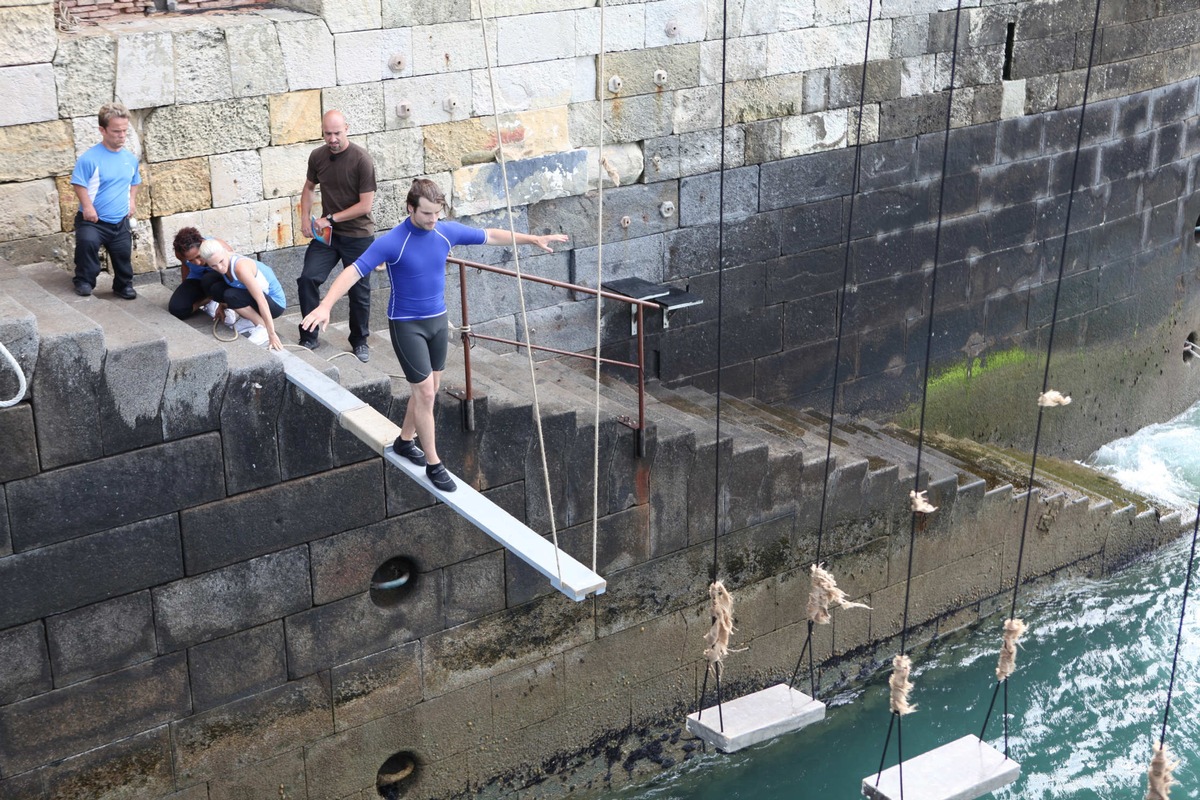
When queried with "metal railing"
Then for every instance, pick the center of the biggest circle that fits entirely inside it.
(467, 334)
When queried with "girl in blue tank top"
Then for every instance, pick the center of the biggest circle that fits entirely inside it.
(250, 288)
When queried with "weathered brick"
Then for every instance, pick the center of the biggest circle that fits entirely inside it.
(100, 638)
(347, 629)
(281, 776)
(805, 179)
(201, 129)
(60, 577)
(19, 440)
(221, 740)
(237, 666)
(64, 504)
(376, 686)
(71, 720)
(24, 663)
(137, 766)
(250, 593)
(701, 201)
(253, 397)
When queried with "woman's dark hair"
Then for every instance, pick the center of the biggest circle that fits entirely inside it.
(186, 239)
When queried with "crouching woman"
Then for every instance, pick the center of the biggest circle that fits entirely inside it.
(250, 288)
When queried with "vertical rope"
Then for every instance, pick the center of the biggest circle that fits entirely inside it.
(720, 289)
(600, 172)
(1187, 587)
(537, 407)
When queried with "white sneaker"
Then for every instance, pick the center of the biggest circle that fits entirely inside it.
(210, 308)
(231, 317)
(243, 326)
(259, 336)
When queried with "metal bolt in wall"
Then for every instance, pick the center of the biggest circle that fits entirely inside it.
(615, 83)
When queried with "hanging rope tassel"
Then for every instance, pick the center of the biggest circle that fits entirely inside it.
(1053, 397)
(1161, 767)
(919, 504)
(825, 593)
(901, 685)
(1013, 629)
(717, 638)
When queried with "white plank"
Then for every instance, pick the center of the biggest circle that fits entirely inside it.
(961, 770)
(755, 718)
(327, 391)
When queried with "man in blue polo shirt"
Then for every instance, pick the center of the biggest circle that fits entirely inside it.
(414, 253)
(105, 180)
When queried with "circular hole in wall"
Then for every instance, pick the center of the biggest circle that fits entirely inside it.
(1190, 348)
(393, 581)
(396, 775)
(1196, 231)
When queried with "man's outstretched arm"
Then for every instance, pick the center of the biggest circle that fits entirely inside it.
(498, 236)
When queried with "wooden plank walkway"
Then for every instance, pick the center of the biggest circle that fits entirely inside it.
(564, 573)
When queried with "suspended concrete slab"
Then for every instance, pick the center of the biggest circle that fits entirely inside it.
(564, 573)
(962, 770)
(756, 718)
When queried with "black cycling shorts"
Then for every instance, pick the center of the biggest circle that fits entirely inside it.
(420, 345)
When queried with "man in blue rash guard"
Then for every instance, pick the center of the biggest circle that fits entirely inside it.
(414, 253)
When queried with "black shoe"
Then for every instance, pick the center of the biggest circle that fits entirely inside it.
(311, 344)
(128, 293)
(362, 352)
(440, 477)
(83, 290)
(408, 448)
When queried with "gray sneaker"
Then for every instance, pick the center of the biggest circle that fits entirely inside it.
(362, 352)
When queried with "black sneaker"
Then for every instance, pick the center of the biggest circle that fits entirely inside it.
(310, 344)
(362, 352)
(128, 293)
(439, 476)
(409, 449)
(83, 290)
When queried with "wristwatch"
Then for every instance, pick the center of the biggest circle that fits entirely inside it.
(329, 217)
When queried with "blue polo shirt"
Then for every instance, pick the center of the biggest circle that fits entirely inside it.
(107, 177)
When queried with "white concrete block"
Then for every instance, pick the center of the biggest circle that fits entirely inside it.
(398, 154)
(231, 223)
(524, 86)
(530, 180)
(817, 48)
(430, 98)
(32, 209)
(583, 83)
(352, 15)
(1012, 99)
(270, 224)
(450, 47)
(745, 59)
(284, 169)
(811, 133)
(697, 109)
(395, 43)
(624, 29)
(917, 75)
(308, 55)
(236, 178)
(359, 56)
(85, 69)
(27, 34)
(535, 37)
(28, 94)
(360, 103)
(254, 59)
(201, 66)
(145, 70)
(687, 18)
(755, 718)
(961, 770)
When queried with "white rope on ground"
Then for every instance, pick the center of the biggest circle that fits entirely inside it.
(537, 406)
(21, 384)
(601, 168)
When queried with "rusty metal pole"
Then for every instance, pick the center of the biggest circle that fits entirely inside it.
(641, 372)
(468, 399)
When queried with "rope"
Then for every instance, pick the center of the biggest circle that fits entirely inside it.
(599, 300)
(720, 291)
(21, 384)
(901, 663)
(837, 361)
(537, 406)
(1048, 398)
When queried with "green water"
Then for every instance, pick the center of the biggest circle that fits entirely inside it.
(1085, 705)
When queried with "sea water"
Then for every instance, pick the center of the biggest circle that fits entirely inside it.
(1084, 707)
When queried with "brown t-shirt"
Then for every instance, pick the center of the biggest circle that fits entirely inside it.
(342, 178)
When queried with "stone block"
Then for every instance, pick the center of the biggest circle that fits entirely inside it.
(355, 15)
(219, 741)
(137, 766)
(700, 151)
(399, 13)
(347, 629)
(27, 94)
(237, 666)
(700, 200)
(430, 100)
(253, 397)
(254, 53)
(68, 721)
(201, 65)
(24, 663)
(449, 48)
(679, 62)
(697, 109)
(63, 504)
(399, 155)
(237, 178)
(100, 638)
(178, 186)
(131, 558)
(376, 686)
(522, 87)
(690, 20)
(535, 37)
(36, 205)
(805, 179)
(304, 431)
(632, 119)
(281, 776)
(284, 169)
(624, 30)
(623, 165)
(295, 117)
(362, 104)
(215, 604)
(201, 129)
(359, 56)
(85, 71)
(481, 188)
(474, 588)
(766, 98)
(145, 69)
(576, 216)
(531, 133)
(308, 54)
(29, 152)
(530, 694)
(18, 439)
(337, 500)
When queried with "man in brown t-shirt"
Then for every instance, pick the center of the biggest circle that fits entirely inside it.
(346, 175)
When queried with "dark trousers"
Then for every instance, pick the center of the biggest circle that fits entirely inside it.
(183, 300)
(319, 261)
(235, 297)
(116, 239)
